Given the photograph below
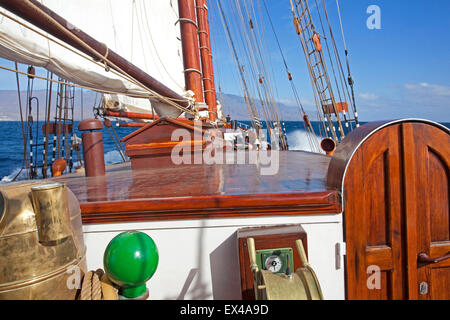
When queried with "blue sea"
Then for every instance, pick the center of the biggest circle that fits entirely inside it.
(11, 145)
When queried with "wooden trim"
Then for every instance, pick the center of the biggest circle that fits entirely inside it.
(188, 124)
(438, 249)
(131, 115)
(188, 208)
(410, 193)
(380, 256)
(170, 144)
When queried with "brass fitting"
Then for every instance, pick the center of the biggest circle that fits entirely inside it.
(52, 212)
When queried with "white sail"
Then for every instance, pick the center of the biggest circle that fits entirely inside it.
(115, 102)
(144, 32)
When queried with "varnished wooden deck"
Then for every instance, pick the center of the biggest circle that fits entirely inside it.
(203, 191)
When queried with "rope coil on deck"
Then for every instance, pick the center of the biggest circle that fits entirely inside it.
(97, 286)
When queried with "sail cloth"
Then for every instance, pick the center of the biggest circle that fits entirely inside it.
(115, 102)
(144, 32)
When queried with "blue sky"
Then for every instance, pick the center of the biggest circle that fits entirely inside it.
(401, 70)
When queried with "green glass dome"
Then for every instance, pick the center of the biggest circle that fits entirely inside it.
(130, 260)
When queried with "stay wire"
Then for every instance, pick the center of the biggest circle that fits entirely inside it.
(350, 78)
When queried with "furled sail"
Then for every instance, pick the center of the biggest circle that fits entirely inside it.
(143, 32)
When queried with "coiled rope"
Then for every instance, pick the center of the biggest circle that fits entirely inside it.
(97, 286)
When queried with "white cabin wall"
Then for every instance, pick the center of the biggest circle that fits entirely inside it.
(199, 258)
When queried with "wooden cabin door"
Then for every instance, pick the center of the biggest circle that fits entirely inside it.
(427, 204)
(396, 215)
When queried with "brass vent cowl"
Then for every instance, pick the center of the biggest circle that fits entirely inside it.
(42, 250)
(52, 212)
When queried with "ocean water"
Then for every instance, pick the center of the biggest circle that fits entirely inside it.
(11, 145)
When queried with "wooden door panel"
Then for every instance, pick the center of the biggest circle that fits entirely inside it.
(438, 191)
(377, 203)
(440, 283)
(438, 182)
(436, 218)
(384, 292)
(373, 218)
(396, 193)
(439, 249)
(427, 191)
(380, 256)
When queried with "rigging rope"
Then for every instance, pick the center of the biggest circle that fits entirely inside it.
(252, 112)
(306, 123)
(47, 122)
(22, 125)
(336, 55)
(75, 85)
(250, 35)
(261, 63)
(324, 130)
(350, 78)
(316, 59)
(31, 165)
(87, 47)
(114, 138)
(156, 50)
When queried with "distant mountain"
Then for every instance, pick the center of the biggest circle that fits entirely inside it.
(9, 106)
(10, 111)
(235, 106)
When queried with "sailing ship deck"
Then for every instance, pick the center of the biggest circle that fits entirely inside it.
(206, 191)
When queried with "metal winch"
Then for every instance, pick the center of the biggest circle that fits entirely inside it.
(299, 285)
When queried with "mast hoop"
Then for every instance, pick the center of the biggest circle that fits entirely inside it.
(193, 70)
(204, 7)
(187, 20)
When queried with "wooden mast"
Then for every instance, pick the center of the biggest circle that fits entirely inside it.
(47, 20)
(206, 58)
(191, 51)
